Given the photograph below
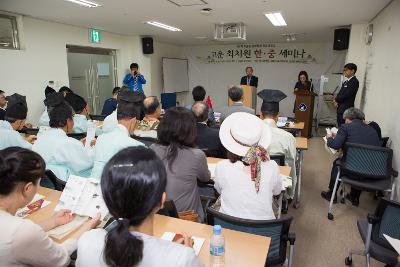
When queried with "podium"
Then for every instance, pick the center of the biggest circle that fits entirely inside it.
(249, 97)
(304, 110)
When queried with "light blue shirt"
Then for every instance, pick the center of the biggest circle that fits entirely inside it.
(44, 119)
(10, 137)
(64, 155)
(81, 125)
(109, 144)
(110, 122)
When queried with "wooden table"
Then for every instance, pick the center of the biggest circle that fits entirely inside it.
(301, 146)
(297, 127)
(284, 170)
(242, 249)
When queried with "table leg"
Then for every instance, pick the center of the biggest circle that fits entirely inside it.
(296, 203)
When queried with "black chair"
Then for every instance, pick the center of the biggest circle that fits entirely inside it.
(77, 136)
(169, 209)
(278, 158)
(385, 221)
(97, 117)
(278, 230)
(57, 183)
(385, 141)
(371, 165)
(147, 141)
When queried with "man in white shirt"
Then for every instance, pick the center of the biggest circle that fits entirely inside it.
(14, 120)
(110, 143)
(235, 93)
(282, 142)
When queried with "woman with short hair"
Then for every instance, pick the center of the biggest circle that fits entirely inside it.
(185, 164)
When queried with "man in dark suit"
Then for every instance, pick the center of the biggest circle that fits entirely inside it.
(207, 138)
(347, 94)
(249, 79)
(111, 104)
(353, 131)
(3, 103)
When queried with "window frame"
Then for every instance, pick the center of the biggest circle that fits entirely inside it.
(15, 32)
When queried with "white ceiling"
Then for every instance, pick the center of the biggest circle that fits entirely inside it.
(315, 18)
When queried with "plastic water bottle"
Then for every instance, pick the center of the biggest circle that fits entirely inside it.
(217, 247)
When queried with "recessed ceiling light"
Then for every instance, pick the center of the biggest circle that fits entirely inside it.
(276, 19)
(164, 26)
(84, 3)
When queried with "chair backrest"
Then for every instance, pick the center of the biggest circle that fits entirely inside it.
(169, 209)
(366, 161)
(385, 141)
(388, 211)
(277, 230)
(59, 184)
(77, 136)
(278, 158)
(97, 117)
(168, 100)
(147, 141)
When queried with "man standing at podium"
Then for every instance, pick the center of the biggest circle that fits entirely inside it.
(347, 94)
(249, 79)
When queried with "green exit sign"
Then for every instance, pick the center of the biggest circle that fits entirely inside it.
(94, 36)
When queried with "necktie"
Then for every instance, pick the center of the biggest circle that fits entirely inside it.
(135, 82)
(248, 80)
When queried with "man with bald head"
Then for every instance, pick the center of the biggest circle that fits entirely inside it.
(207, 138)
(152, 111)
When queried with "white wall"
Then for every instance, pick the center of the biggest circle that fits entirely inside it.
(217, 77)
(44, 58)
(383, 94)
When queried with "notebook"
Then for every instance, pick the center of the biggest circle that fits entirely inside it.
(197, 241)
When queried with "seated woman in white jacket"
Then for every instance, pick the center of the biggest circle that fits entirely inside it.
(133, 187)
(247, 180)
(22, 242)
(63, 155)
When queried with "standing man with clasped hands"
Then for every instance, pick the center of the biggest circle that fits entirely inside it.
(347, 94)
(134, 79)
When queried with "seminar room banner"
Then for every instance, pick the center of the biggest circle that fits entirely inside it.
(264, 53)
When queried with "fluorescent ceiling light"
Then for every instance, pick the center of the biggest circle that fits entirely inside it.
(164, 26)
(276, 19)
(84, 3)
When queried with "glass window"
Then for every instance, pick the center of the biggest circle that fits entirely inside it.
(8, 32)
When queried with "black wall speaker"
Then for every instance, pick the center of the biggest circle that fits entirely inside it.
(341, 39)
(147, 43)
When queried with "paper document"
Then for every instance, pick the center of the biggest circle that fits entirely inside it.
(83, 197)
(394, 242)
(197, 241)
(211, 168)
(333, 151)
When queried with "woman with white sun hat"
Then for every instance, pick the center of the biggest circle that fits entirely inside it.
(247, 180)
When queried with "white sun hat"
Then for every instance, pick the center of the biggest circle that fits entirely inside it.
(241, 130)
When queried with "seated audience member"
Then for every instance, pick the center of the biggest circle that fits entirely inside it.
(207, 138)
(111, 104)
(282, 142)
(111, 121)
(22, 242)
(3, 104)
(248, 179)
(133, 187)
(63, 155)
(199, 95)
(65, 90)
(354, 130)
(81, 109)
(184, 163)
(14, 120)
(109, 144)
(51, 99)
(152, 111)
(235, 94)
